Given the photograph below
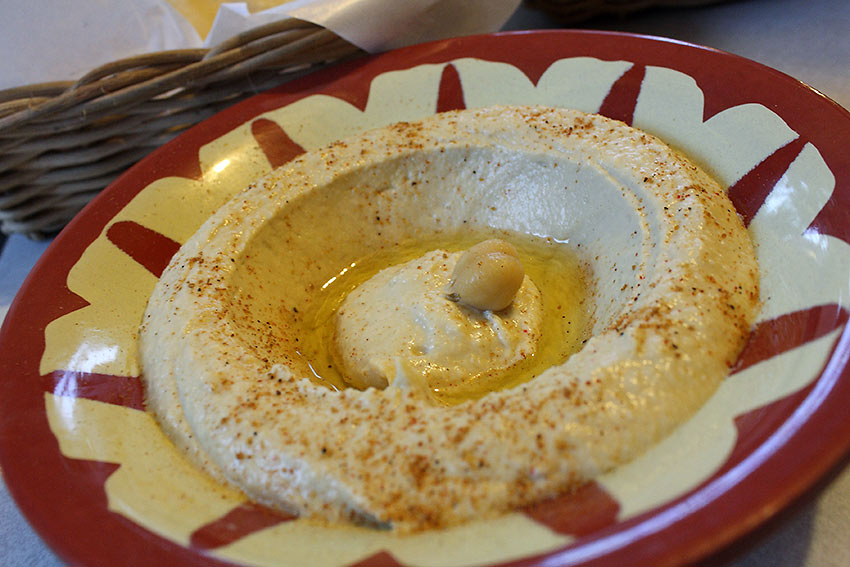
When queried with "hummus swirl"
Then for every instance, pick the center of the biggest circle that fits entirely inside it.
(675, 294)
(399, 328)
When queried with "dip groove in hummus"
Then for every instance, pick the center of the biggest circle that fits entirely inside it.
(675, 291)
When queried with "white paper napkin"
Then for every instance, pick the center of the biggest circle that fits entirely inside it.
(45, 40)
(376, 25)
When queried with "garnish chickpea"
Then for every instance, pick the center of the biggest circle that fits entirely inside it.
(487, 276)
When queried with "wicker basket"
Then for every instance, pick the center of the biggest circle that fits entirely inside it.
(61, 143)
(575, 11)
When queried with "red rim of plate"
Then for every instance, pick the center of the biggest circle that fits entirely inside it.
(788, 445)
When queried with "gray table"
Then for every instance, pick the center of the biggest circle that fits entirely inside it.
(808, 40)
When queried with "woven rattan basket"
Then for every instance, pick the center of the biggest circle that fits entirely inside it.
(62, 143)
(575, 11)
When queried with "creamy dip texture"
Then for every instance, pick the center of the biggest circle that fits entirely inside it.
(399, 329)
(328, 403)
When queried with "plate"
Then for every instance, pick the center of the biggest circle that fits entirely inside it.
(101, 484)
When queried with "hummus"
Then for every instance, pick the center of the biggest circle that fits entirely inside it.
(673, 293)
(399, 329)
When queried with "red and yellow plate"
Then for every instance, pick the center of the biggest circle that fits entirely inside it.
(102, 485)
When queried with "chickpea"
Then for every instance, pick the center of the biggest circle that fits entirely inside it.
(487, 276)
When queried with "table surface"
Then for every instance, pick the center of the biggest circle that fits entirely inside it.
(807, 40)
